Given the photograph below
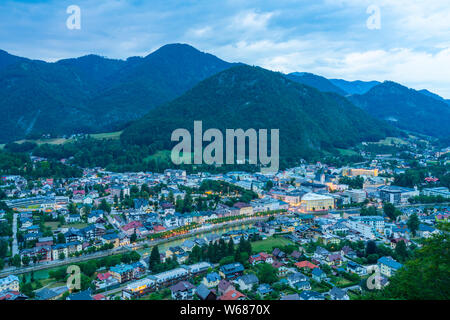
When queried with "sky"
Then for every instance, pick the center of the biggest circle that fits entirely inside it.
(406, 41)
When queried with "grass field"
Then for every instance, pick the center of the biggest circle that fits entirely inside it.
(268, 244)
(389, 141)
(44, 141)
(107, 135)
(347, 152)
(162, 155)
(54, 225)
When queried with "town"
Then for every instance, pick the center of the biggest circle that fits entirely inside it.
(313, 232)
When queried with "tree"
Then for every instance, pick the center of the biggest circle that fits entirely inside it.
(89, 268)
(389, 210)
(371, 247)
(133, 237)
(230, 250)
(85, 282)
(104, 206)
(267, 273)
(368, 211)
(195, 255)
(72, 208)
(134, 256)
(61, 238)
(170, 197)
(268, 185)
(413, 224)
(226, 260)
(3, 248)
(2, 264)
(401, 250)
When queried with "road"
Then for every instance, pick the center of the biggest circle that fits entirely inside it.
(401, 206)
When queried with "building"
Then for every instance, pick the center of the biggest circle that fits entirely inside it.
(356, 195)
(183, 290)
(171, 276)
(360, 172)
(396, 194)
(439, 191)
(138, 288)
(211, 280)
(247, 281)
(122, 272)
(10, 283)
(232, 295)
(318, 275)
(317, 202)
(375, 222)
(388, 266)
(244, 208)
(338, 294)
(204, 293)
(354, 267)
(232, 270)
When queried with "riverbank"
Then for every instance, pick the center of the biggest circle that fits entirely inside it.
(146, 245)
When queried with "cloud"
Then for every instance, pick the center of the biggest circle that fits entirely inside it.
(327, 37)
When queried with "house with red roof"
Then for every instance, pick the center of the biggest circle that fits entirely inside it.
(103, 276)
(158, 228)
(99, 297)
(305, 264)
(232, 295)
(132, 227)
(260, 257)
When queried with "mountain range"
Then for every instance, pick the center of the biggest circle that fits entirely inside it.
(92, 93)
(95, 94)
(419, 111)
(251, 97)
(406, 108)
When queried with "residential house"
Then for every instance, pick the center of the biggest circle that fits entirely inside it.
(10, 283)
(122, 272)
(334, 259)
(231, 271)
(232, 295)
(354, 267)
(247, 281)
(294, 278)
(204, 293)
(338, 294)
(211, 280)
(318, 275)
(264, 289)
(388, 266)
(311, 295)
(224, 286)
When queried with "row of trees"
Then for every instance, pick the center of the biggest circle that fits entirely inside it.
(353, 183)
(156, 265)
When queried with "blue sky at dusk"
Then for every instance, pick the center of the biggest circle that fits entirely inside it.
(326, 37)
